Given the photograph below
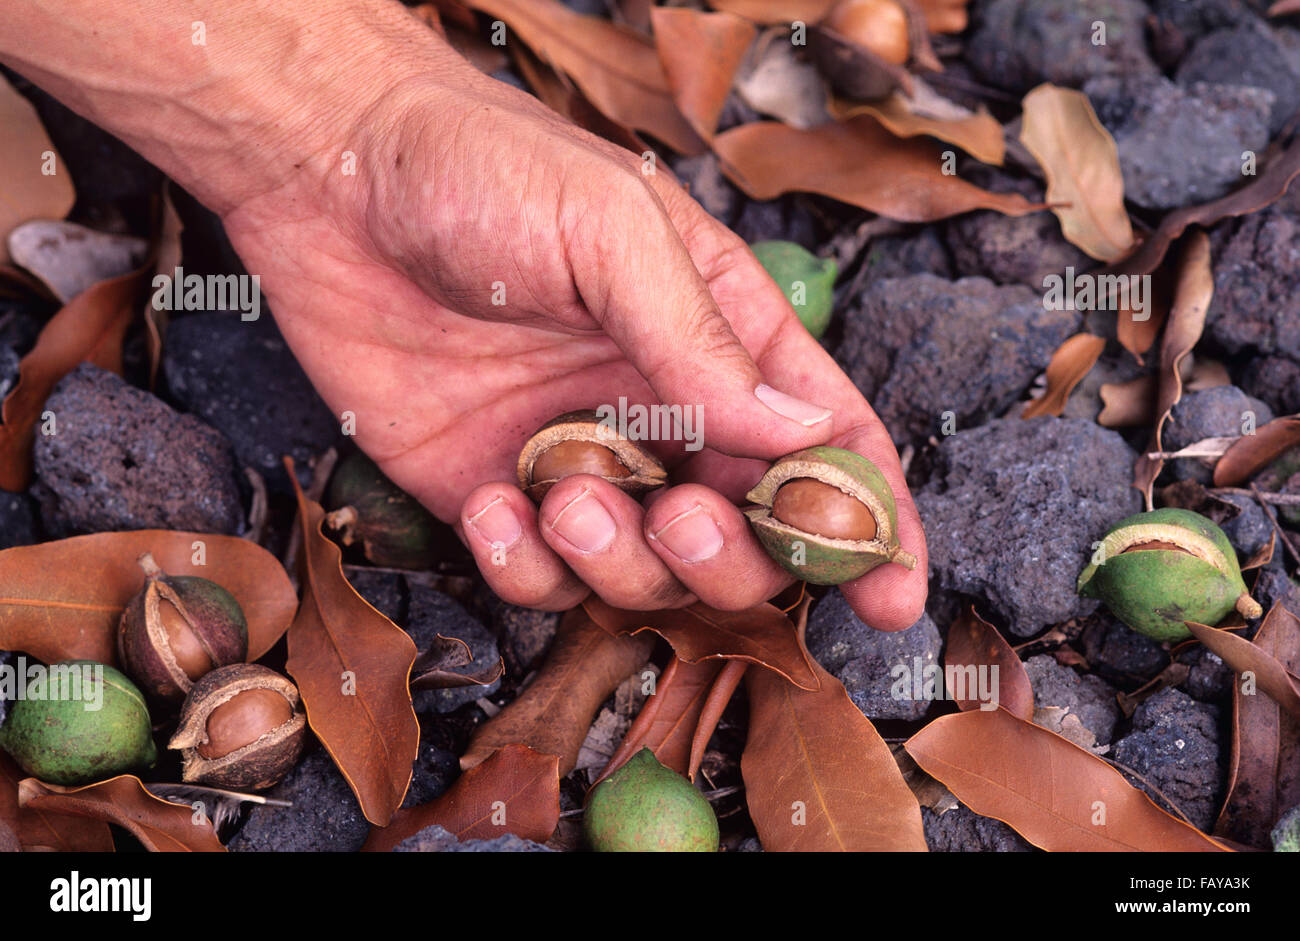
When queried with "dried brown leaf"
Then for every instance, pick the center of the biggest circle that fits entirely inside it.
(1252, 453)
(1069, 364)
(62, 600)
(26, 191)
(40, 830)
(1270, 675)
(925, 112)
(973, 641)
(352, 666)
(700, 53)
(1055, 794)
(776, 11)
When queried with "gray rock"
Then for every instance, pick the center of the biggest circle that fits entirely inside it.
(1019, 44)
(1256, 303)
(961, 830)
(384, 591)
(1121, 654)
(324, 818)
(782, 218)
(1011, 249)
(1210, 679)
(524, 634)
(9, 361)
(1180, 145)
(1275, 380)
(18, 526)
(435, 839)
(1012, 510)
(435, 770)
(750, 844)
(872, 663)
(1178, 24)
(704, 180)
(1090, 698)
(1210, 413)
(1274, 585)
(121, 459)
(1174, 744)
(1286, 835)
(431, 613)
(1250, 530)
(1085, 399)
(919, 347)
(1248, 54)
(896, 256)
(240, 377)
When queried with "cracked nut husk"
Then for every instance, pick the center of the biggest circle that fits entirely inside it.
(62, 739)
(176, 629)
(827, 516)
(1159, 569)
(580, 443)
(366, 507)
(241, 727)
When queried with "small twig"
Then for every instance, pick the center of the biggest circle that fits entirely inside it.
(722, 792)
(1272, 516)
(257, 511)
(1161, 794)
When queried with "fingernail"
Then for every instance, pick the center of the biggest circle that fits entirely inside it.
(787, 406)
(496, 524)
(585, 523)
(692, 536)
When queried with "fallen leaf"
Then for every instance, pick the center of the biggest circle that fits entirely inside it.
(561, 95)
(159, 825)
(1125, 404)
(513, 790)
(1252, 453)
(88, 329)
(974, 642)
(818, 777)
(776, 11)
(776, 81)
(1053, 793)
(1264, 774)
(62, 600)
(1268, 187)
(1081, 164)
(353, 667)
(1072, 361)
(944, 16)
(1183, 330)
(167, 261)
(1137, 335)
(667, 722)
(720, 693)
(69, 258)
(1269, 674)
(855, 71)
(761, 635)
(27, 191)
(857, 162)
(926, 112)
(617, 68)
(554, 713)
(438, 667)
(41, 830)
(700, 53)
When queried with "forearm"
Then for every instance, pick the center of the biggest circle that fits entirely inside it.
(230, 99)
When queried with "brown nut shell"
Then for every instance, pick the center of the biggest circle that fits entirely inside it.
(577, 443)
(256, 764)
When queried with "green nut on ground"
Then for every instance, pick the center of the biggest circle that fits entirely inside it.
(74, 728)
(808, 281)
(1155, 571)
(644, 807)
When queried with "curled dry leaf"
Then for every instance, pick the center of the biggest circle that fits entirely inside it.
(761, 634)
(1069, 364)
(818, 777)
(720, 693)
(1250, 454)
(1125, 404)
(62, 600)
(617, 68)
(43, 830)
(352, 666)
(1264, 775)
(700, 53)
(927, 112)
(776, 11)
(776, 81)
(1055, 794)
(975, 644)
(27, 190)
(514, 790)
(1269, 674)
(906, 181)
(88, 329)
(167, 261)
(159, 825)
(1192, 296)
(667, 722)
(1081, 163)
(439, 667)
(585, 664)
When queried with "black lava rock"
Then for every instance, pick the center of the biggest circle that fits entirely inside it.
(1090, 698)
(1250, 530)
(896, 256)
(121, 459)
(1210, 679)
(524, 634)
(1249, 54)
(876, 667)
(324, 818)
(1223, 411)
(783, 219)
(1275, 380)
(241, 378)
(1174, 744)
(1180, 145)
(930, 353)
(384, 591)
(961, 830)
(435, 839)
(1012, 510)
(1256, 303)
(18, 526)
(1019, 44)
(1121, 654)
(1176, 25)
(435, 770)
(432, 613)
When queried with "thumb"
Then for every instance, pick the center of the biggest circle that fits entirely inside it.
(654, 304)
